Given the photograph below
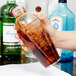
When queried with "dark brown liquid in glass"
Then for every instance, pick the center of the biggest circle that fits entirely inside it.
(40, 43)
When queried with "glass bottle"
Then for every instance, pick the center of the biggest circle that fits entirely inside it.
(63, 19)
(10, 48)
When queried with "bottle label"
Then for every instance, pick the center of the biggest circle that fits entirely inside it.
(56, 22)
(9, 33)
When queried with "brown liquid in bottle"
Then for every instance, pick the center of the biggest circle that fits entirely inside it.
(40, 43)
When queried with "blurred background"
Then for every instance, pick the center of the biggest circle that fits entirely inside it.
(52, 4)
(27, 57)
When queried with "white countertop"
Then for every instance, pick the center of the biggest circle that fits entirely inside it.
(32, 69)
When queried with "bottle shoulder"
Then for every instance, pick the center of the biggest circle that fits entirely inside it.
(7, 7)
(70, 12)
(60, 11)
(5, 10)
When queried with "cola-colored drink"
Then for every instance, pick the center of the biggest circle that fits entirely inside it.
(36, 38)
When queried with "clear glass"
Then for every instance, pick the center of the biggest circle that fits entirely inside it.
(37, 39)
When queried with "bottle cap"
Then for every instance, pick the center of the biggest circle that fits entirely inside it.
(19, 10)
(62, 1)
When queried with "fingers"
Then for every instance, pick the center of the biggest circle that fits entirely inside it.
(40, 16)
(17, 36)
(43, 19)
(25, 48)
(15, 27)
(21, 43)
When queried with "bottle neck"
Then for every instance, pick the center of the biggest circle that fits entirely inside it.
(62, 1)
(11, 1)
(62, 4)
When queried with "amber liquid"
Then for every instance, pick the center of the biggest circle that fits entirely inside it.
(40, 43)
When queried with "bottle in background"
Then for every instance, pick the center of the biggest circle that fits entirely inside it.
(37, 6)
(63, 19)
(10, 48)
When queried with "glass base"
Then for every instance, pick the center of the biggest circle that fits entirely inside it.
(53, 63)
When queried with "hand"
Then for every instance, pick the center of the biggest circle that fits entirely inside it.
(46, 24)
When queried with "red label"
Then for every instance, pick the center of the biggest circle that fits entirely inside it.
(38, 9)
(11, 11)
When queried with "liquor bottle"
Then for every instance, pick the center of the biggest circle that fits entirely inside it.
(10, 48)
(67, 67)
(63, 19)
(37, 6)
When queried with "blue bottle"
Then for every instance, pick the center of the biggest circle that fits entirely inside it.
(63, 19)
(66, 66)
